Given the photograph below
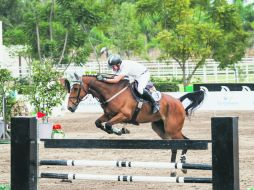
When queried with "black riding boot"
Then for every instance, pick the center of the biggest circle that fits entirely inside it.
(147, 96)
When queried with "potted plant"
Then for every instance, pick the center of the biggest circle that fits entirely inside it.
(45, 91)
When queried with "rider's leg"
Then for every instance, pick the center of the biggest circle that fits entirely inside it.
(142, 82)
(147, 96)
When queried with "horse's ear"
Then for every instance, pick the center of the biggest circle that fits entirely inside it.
(66, 84)
(76, 76)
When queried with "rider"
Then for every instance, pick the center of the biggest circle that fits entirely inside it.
(135, 70)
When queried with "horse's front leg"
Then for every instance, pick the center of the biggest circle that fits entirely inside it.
(116, 119)
(101, 120)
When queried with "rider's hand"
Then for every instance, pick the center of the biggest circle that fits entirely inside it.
(100, 78)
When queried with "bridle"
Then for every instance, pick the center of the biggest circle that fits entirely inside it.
(77, 98)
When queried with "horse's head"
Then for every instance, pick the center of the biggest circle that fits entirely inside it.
(77, 91)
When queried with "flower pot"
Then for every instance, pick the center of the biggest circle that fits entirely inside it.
(45, 130)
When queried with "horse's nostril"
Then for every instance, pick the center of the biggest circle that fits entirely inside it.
(71, 109)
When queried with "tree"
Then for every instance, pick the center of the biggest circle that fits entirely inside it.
(53, 31)
(125, 30)
(10, 12)
(196, 33)
(247, 17)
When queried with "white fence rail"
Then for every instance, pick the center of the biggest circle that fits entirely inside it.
(210, 72)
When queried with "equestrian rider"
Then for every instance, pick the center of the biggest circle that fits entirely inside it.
(134, 70)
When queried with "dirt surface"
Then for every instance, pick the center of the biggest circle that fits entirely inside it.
(81, 125)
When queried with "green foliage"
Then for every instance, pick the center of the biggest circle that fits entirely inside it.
(54, 31)
(5, 187)
(45, 91)
(166, 84)
(10, 101)
(10, 11)
(231, 47)
(22, 85)
(170, 12)
(6, 90)
(197, 30)
(15, 36)
(65, 31)
(5, 81)
(125, 30)
(166, 87)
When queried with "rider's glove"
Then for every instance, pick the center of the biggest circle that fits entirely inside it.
(100, 78)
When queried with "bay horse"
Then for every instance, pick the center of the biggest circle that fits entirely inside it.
(119, 104)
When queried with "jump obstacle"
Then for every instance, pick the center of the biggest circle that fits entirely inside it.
(225, 158)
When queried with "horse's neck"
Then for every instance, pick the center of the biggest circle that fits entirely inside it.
(104, 90)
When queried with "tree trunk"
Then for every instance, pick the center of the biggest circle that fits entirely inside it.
(50, 25)
(65, 43)
(38, 41)
(50, 20)
(96, 55)
(185, 82)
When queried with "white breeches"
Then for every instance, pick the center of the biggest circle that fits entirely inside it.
(143, 81)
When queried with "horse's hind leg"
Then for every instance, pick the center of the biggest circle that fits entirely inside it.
(158, 127)
(183, 156)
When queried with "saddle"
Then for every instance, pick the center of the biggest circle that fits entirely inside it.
(151, 88)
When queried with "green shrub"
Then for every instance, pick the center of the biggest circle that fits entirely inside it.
(166, 84)
(4, 187)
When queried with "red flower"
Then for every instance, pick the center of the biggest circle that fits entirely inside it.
(57, 126)
(40, 115)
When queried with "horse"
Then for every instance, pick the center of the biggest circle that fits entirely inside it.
(119, 103)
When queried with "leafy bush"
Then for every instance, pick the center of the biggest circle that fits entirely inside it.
(5, 187)
(166, 84)
(6, 90)
(45, 90)
(166, 87)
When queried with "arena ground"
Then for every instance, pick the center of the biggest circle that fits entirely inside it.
(81, 125)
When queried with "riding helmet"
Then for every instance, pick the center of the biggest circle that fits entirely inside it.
(114, 60)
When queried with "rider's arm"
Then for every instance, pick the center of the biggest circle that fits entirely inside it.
(116, 79)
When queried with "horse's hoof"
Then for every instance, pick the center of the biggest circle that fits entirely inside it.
(125, 131)
(184, 171)
(183, 159)
(109, 132)
(117, 131)
(173, 174)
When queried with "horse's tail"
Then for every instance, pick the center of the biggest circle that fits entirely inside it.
(196, 98)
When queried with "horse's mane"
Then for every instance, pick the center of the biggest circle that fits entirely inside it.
(121, 83)
(90, 75)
